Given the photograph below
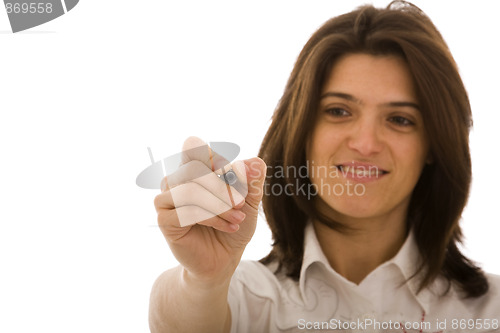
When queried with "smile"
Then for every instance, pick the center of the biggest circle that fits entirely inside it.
(362, 172)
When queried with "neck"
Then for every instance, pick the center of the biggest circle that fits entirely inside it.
(363, 246)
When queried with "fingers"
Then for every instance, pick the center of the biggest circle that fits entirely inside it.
(211, 181)
(193, 194)
(228, 222)
(196, 149)
(193, 149)
(199, 190)
(197, 160)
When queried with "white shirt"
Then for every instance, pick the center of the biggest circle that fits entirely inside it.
(324, 301)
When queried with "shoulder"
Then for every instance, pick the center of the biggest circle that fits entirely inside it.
(486, 306)
(494, 281)
(489, 303)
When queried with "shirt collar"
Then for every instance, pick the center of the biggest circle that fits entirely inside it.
(407, 260)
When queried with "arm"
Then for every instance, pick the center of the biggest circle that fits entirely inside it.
(207, 232)
(179, 304)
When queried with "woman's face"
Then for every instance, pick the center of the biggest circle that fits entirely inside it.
(368, 146)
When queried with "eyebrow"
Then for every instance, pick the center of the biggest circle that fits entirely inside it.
(341, 95)
(358, 101)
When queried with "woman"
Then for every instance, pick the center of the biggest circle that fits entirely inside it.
(366, 240)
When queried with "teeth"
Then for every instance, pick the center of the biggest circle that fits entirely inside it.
(361, 172)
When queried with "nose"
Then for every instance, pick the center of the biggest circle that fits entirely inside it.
(365, 137)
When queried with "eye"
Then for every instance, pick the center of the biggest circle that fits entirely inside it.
(337, 112)
(401, 121)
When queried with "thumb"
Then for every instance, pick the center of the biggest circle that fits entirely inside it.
(256, 174)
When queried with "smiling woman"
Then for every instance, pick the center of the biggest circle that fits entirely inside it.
(375, 89)
(373, 124)
(387, 94)
(375, 104)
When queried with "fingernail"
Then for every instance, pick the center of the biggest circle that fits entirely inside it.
(238, 215)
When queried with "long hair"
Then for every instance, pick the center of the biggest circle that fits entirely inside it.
(441, 193)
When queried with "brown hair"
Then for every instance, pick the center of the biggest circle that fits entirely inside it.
(443, 188)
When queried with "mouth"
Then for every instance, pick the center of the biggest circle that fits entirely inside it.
(360, 171)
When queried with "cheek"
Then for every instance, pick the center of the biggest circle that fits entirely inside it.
(413, 155)
(322, 144)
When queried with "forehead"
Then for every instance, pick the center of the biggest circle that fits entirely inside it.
(371, 77)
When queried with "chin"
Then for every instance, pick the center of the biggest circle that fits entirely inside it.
(354, 207)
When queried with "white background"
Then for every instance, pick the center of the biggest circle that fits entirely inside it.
(82, 97)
